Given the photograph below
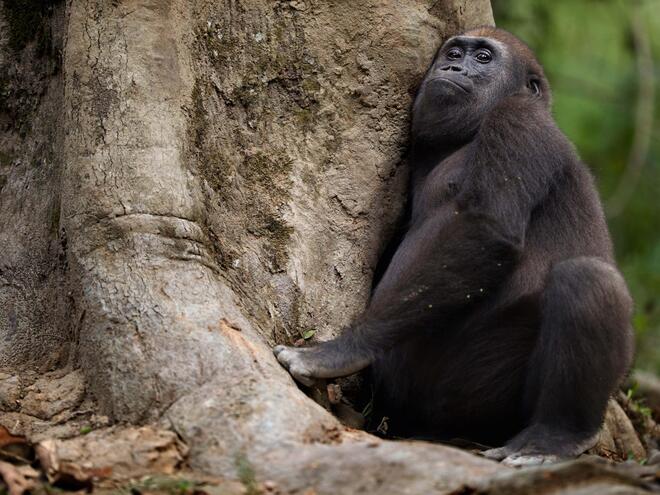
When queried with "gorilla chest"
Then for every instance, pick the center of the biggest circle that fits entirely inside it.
(440, 186)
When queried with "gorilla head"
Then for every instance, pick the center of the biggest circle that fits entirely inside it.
(470, 74)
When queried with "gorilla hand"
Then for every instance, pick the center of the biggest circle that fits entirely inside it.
(326, 360)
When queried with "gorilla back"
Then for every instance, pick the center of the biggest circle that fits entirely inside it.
(501, 316)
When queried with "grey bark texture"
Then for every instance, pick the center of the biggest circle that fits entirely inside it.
(184, 184)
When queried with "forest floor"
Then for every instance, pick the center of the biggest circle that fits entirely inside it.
(77, 451)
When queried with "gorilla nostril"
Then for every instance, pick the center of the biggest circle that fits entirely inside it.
(452, 68)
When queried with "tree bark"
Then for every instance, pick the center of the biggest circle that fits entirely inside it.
(230, 172)
(186, 183)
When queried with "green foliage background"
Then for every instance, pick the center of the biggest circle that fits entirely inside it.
(590, 54)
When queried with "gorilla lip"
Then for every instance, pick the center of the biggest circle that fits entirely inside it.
(451, 81)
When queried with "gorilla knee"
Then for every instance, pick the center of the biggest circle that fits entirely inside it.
(588, 297)
(592, 284)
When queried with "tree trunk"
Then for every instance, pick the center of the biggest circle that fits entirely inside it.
(185, 184)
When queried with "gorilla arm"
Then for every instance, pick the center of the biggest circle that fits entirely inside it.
(442, 266)
(457, 253)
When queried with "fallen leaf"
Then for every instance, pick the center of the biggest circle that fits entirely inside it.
(334, 393)
(19, 479)
(7, 438)
(14, 448)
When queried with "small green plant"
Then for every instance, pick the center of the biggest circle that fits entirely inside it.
(161, 484)
(637, 403)
(368, 410)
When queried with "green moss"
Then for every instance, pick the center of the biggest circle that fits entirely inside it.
(5, 90)
(215, 170)
(55, 228)
(246, 475)
(5, 162)
(286, 68)
(28, 20)
(278, 231)
(269, 173)
(311, 85)
(268, 169)
(198, 114)
(279, 32)
(5, 159)
(220, 46)
(212, 162)
(273, 78)
(246, 94)
(305, 117)
(199, 117)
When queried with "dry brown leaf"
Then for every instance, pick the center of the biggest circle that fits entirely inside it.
(334, 393)
(113, 453)
(19, 479)
(7, 438)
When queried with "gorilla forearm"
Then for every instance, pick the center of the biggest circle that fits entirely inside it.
(447, 262)
(443, 266)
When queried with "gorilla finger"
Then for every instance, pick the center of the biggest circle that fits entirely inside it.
(278, 348)
(302, 376)
(290, 357)
(496, 454)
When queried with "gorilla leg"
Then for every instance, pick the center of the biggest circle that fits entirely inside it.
(583, 350)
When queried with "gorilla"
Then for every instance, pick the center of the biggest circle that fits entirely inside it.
(500, 317)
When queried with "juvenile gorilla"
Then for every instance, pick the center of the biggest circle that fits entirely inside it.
(501, 316)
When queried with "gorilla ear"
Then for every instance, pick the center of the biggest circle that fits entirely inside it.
(534, 84)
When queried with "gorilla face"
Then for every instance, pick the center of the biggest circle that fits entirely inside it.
(470, 67)
(468, 77)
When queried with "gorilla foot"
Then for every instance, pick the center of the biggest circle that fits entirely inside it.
(322, 361)
(512, 458)
(522, 460)
(539, 445)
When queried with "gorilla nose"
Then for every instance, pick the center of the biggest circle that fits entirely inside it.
(453, 68)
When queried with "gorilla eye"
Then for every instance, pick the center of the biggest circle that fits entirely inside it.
(454, 54)
(484, 56)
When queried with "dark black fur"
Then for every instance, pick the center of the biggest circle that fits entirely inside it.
(501, 315)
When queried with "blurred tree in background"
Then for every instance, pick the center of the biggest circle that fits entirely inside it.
(602, 59)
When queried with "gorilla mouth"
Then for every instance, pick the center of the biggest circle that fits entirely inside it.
(452, 82)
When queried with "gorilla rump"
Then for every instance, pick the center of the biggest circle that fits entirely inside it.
(500, 317)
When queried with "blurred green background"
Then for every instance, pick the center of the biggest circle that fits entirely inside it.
(603, 61)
